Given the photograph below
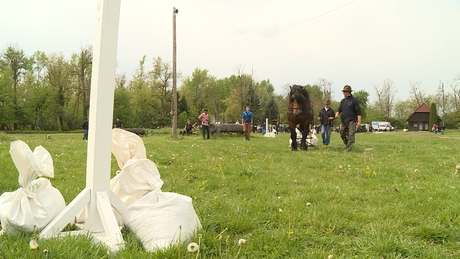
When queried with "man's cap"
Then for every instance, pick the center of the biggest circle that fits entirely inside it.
(347, 88)
(328, 102)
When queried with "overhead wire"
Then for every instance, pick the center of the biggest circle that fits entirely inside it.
(282, 29)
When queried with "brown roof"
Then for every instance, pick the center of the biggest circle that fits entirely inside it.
(423, 108)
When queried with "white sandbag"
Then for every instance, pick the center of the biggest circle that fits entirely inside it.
(36, 202)
(127, 145)
(136, 178)
(311, 140)
(139, 177)
(159, 218)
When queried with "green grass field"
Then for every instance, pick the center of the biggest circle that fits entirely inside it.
(395, 195)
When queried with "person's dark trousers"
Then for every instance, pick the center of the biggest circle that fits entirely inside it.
(85, 134)
(326, 133)
(347, 133)
(205, 129)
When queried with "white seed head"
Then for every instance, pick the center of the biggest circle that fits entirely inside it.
(192, 247)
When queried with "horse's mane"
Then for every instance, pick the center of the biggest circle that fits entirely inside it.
(300, 94)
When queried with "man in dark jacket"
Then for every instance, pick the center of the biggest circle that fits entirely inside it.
(351, 117)
(325, 117)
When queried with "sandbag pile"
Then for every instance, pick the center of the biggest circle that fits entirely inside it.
(157, 218)
(36, 203)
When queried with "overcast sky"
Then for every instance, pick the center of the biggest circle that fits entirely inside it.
(355, 42)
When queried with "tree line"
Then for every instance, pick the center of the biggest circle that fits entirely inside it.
(51, 92)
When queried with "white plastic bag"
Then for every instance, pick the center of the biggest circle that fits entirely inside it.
(36, 202)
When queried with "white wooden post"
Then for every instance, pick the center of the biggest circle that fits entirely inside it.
(97, 196)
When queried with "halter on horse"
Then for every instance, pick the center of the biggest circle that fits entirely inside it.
(299, 112)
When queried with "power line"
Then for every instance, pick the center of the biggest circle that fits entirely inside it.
(282, 29)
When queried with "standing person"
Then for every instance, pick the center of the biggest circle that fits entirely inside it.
(118, 124)
(443, 128)
(351, 117)
(204, 117)
(248, 121)
(85, 127)
(325, 117)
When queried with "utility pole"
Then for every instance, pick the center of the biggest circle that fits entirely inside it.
(441, 86)
(174, 87)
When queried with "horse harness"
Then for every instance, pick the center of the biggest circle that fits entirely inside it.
(301, 111)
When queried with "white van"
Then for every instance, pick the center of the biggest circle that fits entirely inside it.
(382, 126)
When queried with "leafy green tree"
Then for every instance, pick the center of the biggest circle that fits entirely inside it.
(143, 102)
(81, 69)
(433, 116)
(363, 99)
(122, 107)
(271, 110)
(161, 87)
(59, 79)
(193, 90)
(15, 63)
(6, 99)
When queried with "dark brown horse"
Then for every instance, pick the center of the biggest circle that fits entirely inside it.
(300, 112)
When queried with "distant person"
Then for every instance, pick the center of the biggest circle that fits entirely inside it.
(118, 124)
(85, 127)
(188, 128)
(204, 117)
(443, 128)
(325, 117)
(351, 117)
(435, 128)
(248, 120)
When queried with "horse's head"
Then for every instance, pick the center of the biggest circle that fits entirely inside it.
(298, 98)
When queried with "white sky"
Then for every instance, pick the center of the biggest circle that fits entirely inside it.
(355, 42)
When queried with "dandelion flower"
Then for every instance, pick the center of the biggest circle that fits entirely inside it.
(458, 166)
(329, 257)
(192, 247)
(308, 204)
(415, 170)
(33, 244)
(241, 241)
(280, 210)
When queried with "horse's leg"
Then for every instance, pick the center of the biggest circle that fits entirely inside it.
(303, 142)
(293, 138)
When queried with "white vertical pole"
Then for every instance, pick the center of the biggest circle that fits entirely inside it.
(266, 125)
(174, 86)
(101, 107)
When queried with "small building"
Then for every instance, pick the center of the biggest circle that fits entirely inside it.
(419, 120)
